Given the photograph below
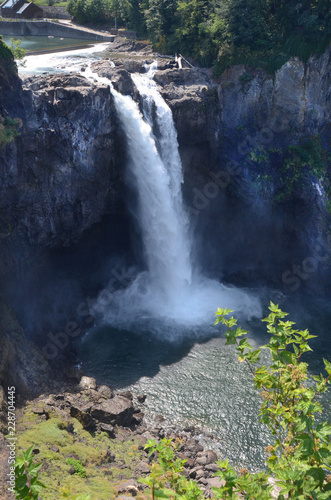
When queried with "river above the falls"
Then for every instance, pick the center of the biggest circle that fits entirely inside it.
(45, 43)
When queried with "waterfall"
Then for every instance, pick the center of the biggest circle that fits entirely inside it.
(170, 292)
(158, 179)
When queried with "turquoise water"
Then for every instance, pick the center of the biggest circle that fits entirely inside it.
(43, 42)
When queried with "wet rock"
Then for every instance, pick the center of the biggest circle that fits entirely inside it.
(126, 394)
(159, 419)
(163, 64)
(115, 411)
(21, 362)
(138, 418)
(73, 373)
(133, 66)
(141, 398)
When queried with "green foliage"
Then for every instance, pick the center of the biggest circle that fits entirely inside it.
(116, 12)
(219, 33)
(302, 160)
(78, 466)
(300, 455)
(166, 479)
(5, 52)
(259, 155)
(92, 450)
(245, 77)
(8, 129)
(18, 52)
(27, 484)
(66, 493)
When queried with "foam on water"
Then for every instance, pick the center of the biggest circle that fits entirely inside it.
(59, 62)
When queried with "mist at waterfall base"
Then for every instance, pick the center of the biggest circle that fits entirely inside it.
(153, 332)
(170, 298)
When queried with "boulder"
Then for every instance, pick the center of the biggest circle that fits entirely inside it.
(194, 446)
(105, 391)
(134, 66)
(115, 411)
(127, 395)
(87, 383)
(107, 428)
(83, 417)
(206, 457)
(143, 468)
(130, 487)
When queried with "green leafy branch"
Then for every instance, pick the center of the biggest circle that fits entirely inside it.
(166, 479)
(301, 452)
(27, 484)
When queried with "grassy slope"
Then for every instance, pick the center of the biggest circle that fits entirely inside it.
(72, 440)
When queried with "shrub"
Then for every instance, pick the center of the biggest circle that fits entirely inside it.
(78, 466)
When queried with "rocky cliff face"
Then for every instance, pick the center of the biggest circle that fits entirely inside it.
(59, 177)
(66, 170)
(233, 136)
(21, 364)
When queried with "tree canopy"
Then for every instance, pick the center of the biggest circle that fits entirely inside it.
(261, 33)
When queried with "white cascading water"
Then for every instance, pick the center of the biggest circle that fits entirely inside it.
(162, 220)
(170, 293)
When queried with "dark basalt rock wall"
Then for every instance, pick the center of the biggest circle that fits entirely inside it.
(232, 199)
(61, 175)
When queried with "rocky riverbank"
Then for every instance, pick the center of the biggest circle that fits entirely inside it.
(106, 432)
